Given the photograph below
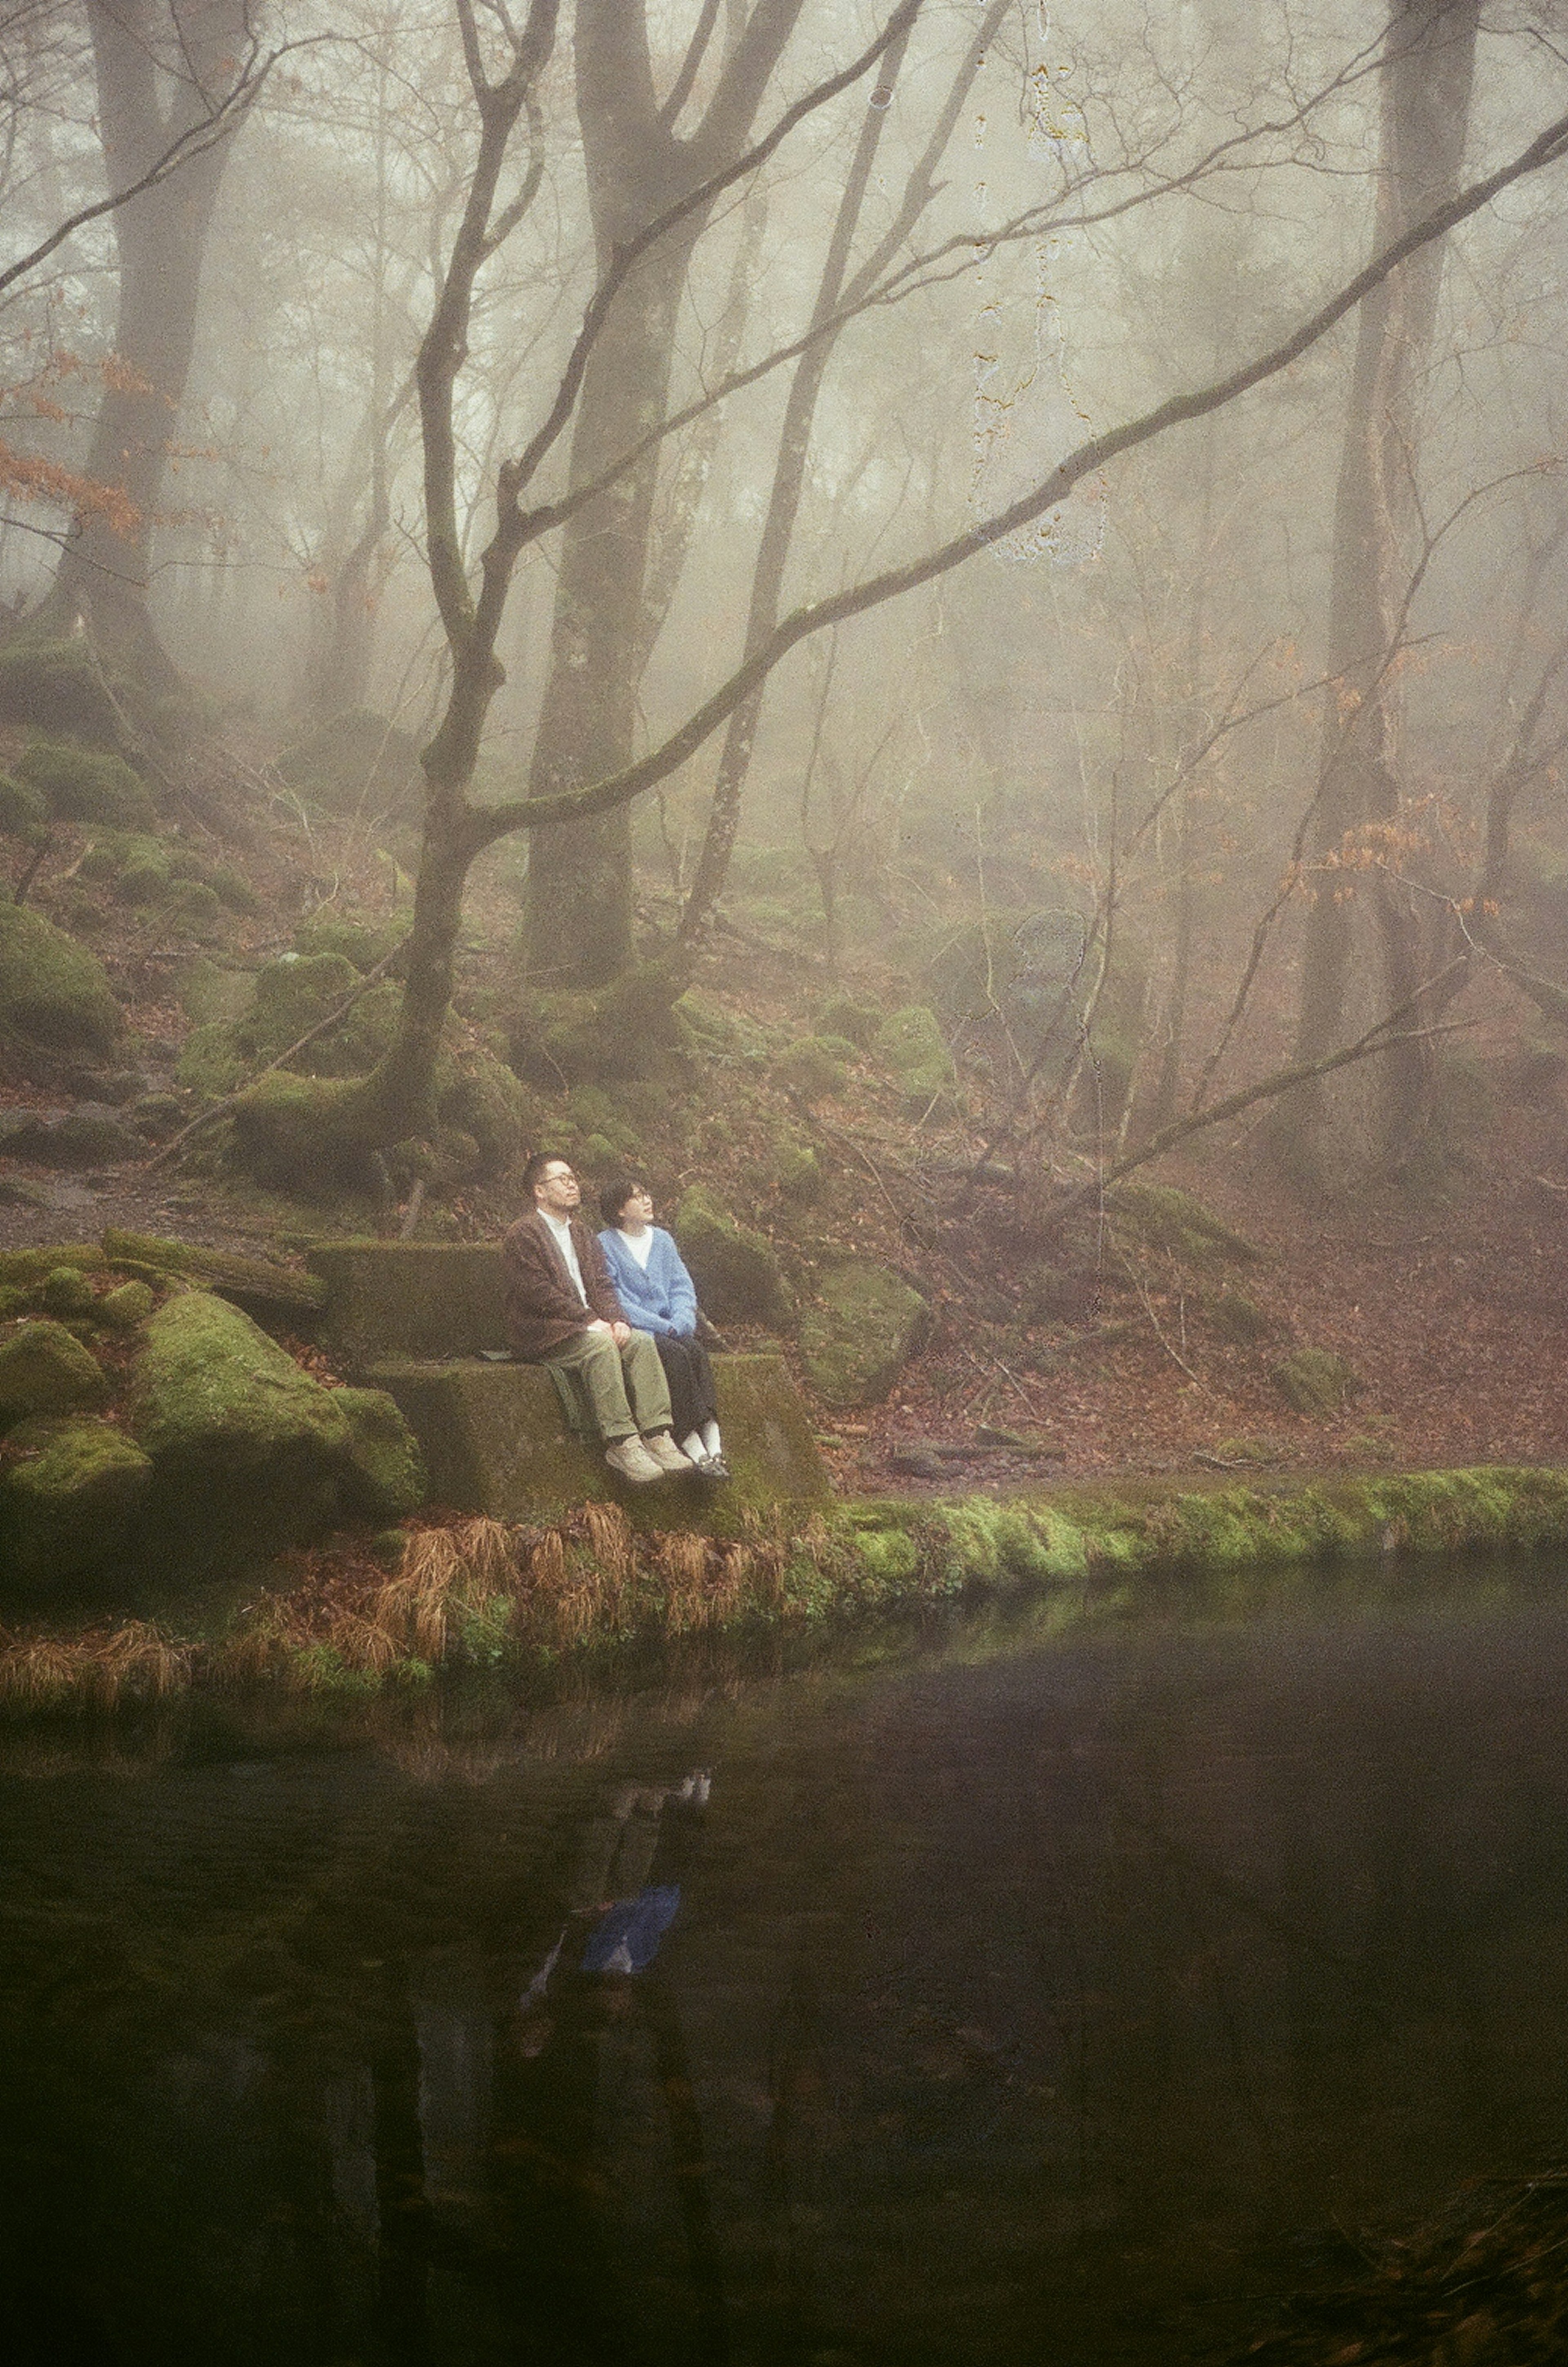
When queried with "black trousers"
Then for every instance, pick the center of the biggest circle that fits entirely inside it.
(690, 1376)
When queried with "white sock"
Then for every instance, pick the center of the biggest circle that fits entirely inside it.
(692, 1447)
(710, 1438)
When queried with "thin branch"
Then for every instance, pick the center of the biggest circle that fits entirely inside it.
(603, 796)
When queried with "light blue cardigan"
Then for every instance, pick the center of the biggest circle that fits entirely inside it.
(664, 1298)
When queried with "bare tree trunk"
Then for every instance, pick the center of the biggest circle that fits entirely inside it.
(151, 80)
(578, 905)
(1363, 949)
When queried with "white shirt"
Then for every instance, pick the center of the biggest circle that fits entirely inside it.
(561, 1229)
(639, 1244)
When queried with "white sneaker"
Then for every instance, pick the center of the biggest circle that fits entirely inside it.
(667, 1454)
(631, 1458)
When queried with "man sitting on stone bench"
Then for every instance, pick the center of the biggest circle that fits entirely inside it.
(561, 1309)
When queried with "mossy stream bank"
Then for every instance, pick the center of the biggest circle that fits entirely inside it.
(481, 1592)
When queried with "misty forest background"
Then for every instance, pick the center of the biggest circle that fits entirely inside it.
(890, 613)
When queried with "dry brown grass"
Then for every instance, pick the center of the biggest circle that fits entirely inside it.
(99, 1670)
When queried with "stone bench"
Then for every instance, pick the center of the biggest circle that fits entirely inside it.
(416, 1318)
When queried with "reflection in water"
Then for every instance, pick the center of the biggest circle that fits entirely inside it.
(1030, 2000)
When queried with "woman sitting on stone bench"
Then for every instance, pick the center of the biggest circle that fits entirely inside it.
(658, 1295)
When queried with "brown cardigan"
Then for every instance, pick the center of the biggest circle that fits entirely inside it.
(542, 1306)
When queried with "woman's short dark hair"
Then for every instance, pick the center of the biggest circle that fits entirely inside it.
(613, 1197)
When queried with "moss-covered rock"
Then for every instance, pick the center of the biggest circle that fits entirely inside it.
(1316, 1381)
(811, 1068)
(362, 938)
(90, 785)
(865, 1324)
(627, 1029)
(361, 1037)
(246, 1446)
(738, 1276)
(707, 1031)
(24, 811)
(911, 1047)
(284, 1133)
(269, 1294)
(1157, 1216)
(192, 909)
(291, 997)
(211, 1062)
(25, 1269)
(211, 990)
(68, 1500)
(43, 1370)
(52, 988)
(56, 686)
(1236, 1316)
(66, 1291)
(856, 1022)
(386, 1470)
(357, 762)
(123, 1308)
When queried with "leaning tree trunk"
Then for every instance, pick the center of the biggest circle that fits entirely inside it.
(1364, 947)
(149, 91)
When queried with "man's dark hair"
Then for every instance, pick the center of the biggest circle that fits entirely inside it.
(534, 1168)
(613, 1197)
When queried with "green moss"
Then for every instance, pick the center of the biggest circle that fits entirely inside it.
(25, 1269)
(88, 785)
(211, 1062)
(388, 1470)
(43, 1370)
(211, 1388)
(864, 1326)
(124, 1309)
(1159, 1217)
(911, 1044)
(811, 1069)
(66, 1291)
(361, 1037)
(1315, 1381)
(292, 997)
(361, 939)
(738, 1276)
(68, 1500)
(52, 988)
(484, 1100)
(192, 908)
(857, 1023)
(56, 686)
(709, 1032)
(24, 811)
(284, 1132)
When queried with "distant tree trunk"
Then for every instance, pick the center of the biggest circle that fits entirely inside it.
(578, 905)
(1364, 947)
(154, 79)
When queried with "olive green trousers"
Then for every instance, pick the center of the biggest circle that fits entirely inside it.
(625, 1387)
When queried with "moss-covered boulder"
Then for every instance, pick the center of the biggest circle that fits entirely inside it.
(123, 1308)
(43, 1370)
(269, 1294)
(911, 1047)
(90, 785)
(286, 1134)
(69, 1497)
(386, 1469)
(857, 1022)
(1316, 1381)
(1157, 1216)
(709, 1032)
(363, 938)
(482, 1098)
(811, 1068)
(211, 1062)
(67, 1292)
(738, 1276)
(52, 988)
(24, 813)
(864, 1325)
(292, 996)
(210, 1389)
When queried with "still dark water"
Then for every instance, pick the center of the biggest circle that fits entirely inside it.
(1017, 1997)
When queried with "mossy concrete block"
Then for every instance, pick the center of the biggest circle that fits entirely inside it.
(68, 1501)
(388, 1470)
(735, 1272)
(44, 1370)
(1315, 1381)
(856, 1339)
(52, 988)
(410, 1298)
(211, 1393)
(494, 1441)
